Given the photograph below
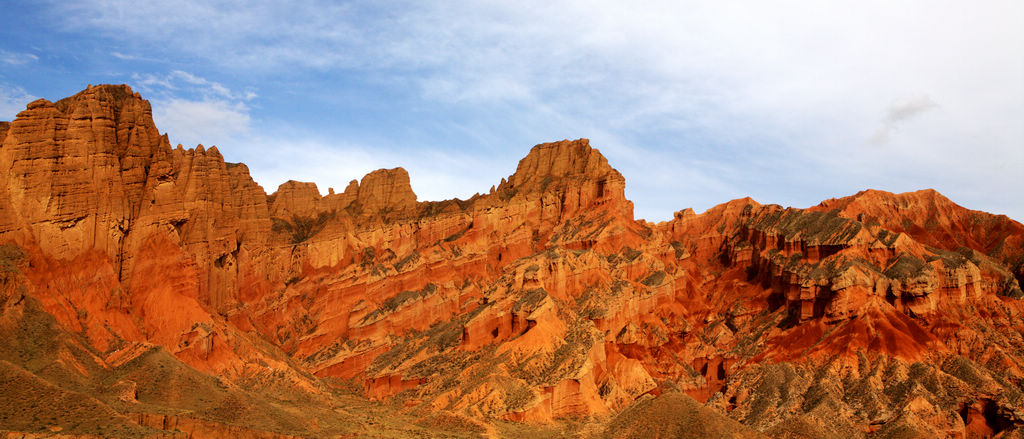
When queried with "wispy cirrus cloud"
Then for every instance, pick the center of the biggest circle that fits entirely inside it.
(17, 58)
(185, 82)
(210, 122)
(194, 110)
(12, 101)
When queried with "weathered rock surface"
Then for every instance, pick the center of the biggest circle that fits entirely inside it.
(166, 290)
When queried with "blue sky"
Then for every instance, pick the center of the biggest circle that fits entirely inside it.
(696, 103)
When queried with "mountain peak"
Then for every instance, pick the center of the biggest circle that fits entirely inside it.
(110, 94)
(562, 159)
(933, 219)
(579, 173)
(386, 189)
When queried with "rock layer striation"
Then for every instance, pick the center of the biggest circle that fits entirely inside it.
(166, 289)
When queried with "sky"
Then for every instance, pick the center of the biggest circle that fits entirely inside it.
(695, 103)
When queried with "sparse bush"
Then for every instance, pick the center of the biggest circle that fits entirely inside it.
(301, 228)
(11, 256)
(655, 279)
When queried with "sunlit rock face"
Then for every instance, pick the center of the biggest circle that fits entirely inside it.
(167, 290)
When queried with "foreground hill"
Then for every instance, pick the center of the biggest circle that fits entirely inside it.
(150, 291)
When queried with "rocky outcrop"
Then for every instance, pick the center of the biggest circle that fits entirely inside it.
(541, 300)
(76, 170)
(92, 173)
(571, 176)
(385, 189)
(4, 127)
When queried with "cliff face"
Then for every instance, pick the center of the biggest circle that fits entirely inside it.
(173, 291)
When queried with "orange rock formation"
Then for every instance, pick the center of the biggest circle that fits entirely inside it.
(144, 265)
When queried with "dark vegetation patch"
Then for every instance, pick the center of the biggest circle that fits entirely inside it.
(31, 404)
(393, 303)
(441, 338)
(369, 256)
(949, 259)
(518, 395)
(674, 415)
(886, 237)
(11, 258)
(457, 235)
(592, 304)
(354, 208)
(906, 266)
(434, 208)
(447, 421)
(301, 227)
(407, 261)
(549, 369)
(626, 255)
(545, 182)
(811, 227)
(530, 300)
(655, 279)
(679, 249)
(749, 339)
(507, 193)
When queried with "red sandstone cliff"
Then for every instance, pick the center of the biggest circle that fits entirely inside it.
(165, 289)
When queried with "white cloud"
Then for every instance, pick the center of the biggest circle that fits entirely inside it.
(12, 101)
(434, 175)
(210, 122)
(907, 108)
(148, 82)
(900, 111)
(179, 81)
(16, 58)
(194, 110)
(778, 92)
(211, 87)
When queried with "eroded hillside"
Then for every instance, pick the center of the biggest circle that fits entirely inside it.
(162, 289)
